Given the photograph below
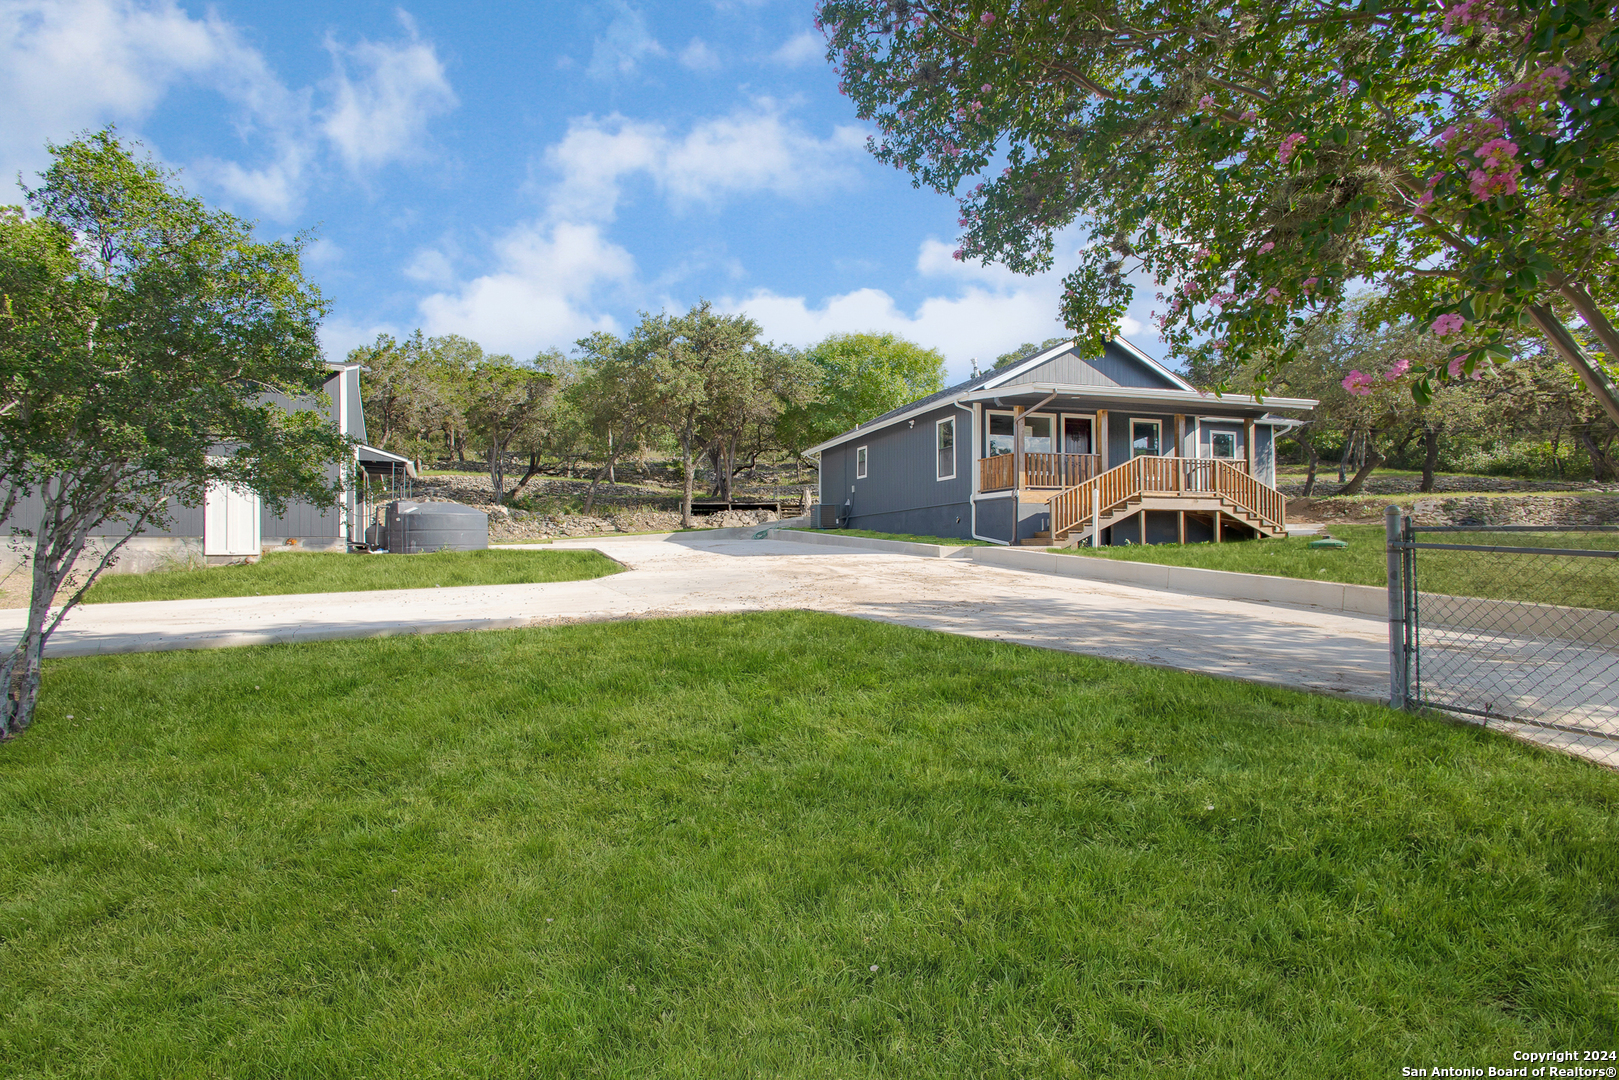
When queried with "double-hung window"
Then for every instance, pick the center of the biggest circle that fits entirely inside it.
(944, 441)
(1145, 438)
(860, 463)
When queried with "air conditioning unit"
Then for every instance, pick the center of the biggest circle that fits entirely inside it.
(824, 516)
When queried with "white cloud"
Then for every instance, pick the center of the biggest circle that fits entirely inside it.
(801, 50)
(754, 149)
(697, 56)
(626, 42)
(430, 265)
(68, 65)
(547, 278)
(985, 312)
(323, 252)
(382, 115)
(338, 336)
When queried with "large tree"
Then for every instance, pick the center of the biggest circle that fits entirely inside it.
(1259, 158)
(141, 338)
(859, 376)
(507, 405)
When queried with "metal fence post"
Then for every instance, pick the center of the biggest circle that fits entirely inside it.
(1397, 668)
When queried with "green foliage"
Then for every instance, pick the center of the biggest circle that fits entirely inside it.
(1025, 350)
(149, 347)
(1258, 158)
(678, 847)
(860, 376)
(321, 572)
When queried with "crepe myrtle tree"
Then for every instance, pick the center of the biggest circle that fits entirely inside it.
(142, 338)
(1261, 159)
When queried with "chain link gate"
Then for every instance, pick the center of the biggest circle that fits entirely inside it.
(1513, 627)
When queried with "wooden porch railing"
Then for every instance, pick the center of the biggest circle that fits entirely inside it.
(1164, 476)
(1039, 470)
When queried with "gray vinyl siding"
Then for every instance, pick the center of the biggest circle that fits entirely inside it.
(995, 518)
(1265, 454)
(183, 520)
(901, 491)
(1114, 367)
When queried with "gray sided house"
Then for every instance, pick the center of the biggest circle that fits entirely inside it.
(1062, 448)
(231, 526)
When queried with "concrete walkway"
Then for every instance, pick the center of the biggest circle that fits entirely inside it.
(1299, 648)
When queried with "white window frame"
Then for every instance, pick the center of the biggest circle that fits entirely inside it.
(989, 414)
(862, 462)
(1236, 443)
(954, 431)
(1063, 418)
(1159, 424)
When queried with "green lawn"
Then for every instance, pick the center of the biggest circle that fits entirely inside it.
(910, 538)
(278, 575)
(778, 845)
(1592, 583)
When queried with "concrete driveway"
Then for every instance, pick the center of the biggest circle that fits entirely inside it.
(1300, 648)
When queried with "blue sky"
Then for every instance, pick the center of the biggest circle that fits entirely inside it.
(523, 174)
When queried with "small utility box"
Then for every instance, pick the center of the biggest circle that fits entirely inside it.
(1328, 542)
(435, 526)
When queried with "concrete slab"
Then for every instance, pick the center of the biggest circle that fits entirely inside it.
(682, 575)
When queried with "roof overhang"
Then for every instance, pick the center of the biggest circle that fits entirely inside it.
(859, 431)
(383, 460)
(1142, 394)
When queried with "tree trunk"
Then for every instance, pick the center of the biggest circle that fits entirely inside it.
(1349, 448)
(533, 470)
(715, 454)
(1372, 461)
(1430, 456)
(1602, 465)
(1591, 374)
(1315, 460)
(688, 467)
(497, 469)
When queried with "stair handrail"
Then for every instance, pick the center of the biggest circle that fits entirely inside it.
(1106, 492)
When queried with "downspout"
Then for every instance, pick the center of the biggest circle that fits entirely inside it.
(975, 412)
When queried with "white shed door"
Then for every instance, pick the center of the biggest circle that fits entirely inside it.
(230, 521)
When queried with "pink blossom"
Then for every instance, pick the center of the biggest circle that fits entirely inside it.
(1359, 383)
(1468, 13)
(1456, 366)
(1400, 368)
(1445, 136)
(986, 88)
(1250, 116)
(1446, 325)
(1310, 283)
(1497, 153)
(1273, 295)
(987, 18)
(1266, 247)
(1426, 198)
(957, 255)
(1206, 101)
(1223, 298)
(1285, 153)
(1191, 288)
(1539, 88)
(1203, 253)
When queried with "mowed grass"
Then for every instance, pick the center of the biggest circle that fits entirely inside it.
(778, 845)
(1578, 582)
(278, 575)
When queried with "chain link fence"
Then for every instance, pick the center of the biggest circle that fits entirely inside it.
(1515, 628)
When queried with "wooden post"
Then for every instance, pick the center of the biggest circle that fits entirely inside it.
(1101, 440)
(1217, 527)
(1248, 438)
(1017, 448)
(1180, 469)
(1181, 526)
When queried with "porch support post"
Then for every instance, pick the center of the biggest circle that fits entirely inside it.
(1101, 440)
(1180, 470)
(1217, 539)
(1017, 448)
(1181, 526)
(1248, 440)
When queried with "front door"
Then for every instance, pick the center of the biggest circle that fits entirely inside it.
(230, 521)
(1076, 435)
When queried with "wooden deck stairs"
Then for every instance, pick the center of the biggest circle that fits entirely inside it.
(1202, 487)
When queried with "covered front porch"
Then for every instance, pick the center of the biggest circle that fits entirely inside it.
(1080, 473)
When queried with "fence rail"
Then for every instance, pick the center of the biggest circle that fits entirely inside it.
(1517, 635)
(1145, 475)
